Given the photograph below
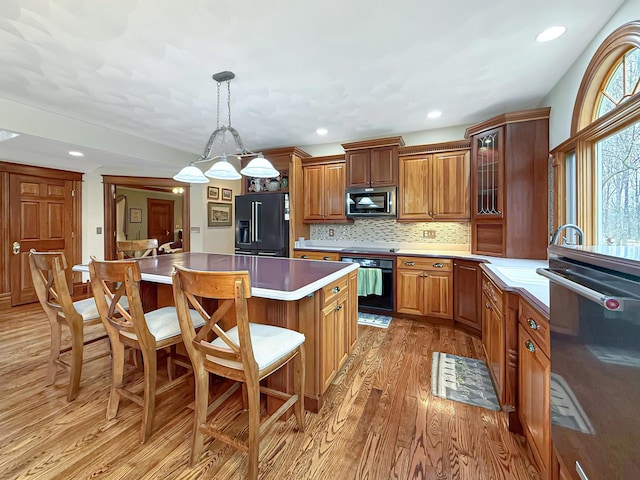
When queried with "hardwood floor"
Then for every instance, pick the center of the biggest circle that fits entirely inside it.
(380, 420)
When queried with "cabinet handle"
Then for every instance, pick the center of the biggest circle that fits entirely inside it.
(410, 264)
(530, 346)
(438, 265)
(325, 258)
(424, 275)
(532, 324)
(339, 307)
(304, 256)
(336, 289)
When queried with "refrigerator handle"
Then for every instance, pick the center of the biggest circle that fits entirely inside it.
(258, 218)
(253, 222)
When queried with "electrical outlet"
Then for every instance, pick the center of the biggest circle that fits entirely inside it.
(331, 232)
(99, 230)
(429, 234)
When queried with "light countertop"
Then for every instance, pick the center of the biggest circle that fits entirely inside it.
(512, 273)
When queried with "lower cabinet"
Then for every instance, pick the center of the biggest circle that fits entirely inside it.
(316, 255)
(467, 278)
(534, 379)
(335, 330)
(424, 286)
(493, 333)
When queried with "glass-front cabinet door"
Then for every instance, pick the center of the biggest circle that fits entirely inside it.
(488, 158)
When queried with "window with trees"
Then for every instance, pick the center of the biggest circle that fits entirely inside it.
(598, 169)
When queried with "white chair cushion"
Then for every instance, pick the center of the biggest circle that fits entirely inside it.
(269, 344)
(89, 311)
(163, 323)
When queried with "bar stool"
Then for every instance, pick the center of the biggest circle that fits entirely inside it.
(247, 353)
(146, 332)
(49, 275)
(131, 248)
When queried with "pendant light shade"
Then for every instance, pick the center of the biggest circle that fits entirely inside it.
(258, 167)
(223, 170)
(191, 174)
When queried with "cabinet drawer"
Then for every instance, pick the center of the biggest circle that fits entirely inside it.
(426, 263)
(334, 289)
(316, 255)
(494, 294)
(536, 325)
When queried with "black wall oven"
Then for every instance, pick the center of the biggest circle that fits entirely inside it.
(595, 360)
(375, 283)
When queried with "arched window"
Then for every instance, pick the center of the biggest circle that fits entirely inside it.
(598, 169)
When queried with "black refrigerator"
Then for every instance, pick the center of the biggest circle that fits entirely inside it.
(262, 224)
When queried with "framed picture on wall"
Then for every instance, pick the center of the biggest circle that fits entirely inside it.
(218, 214)
(213, 193)
(135, 215)
(227, 194)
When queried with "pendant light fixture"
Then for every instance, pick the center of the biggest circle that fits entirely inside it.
(259, 167)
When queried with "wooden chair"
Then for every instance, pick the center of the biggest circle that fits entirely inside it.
(246, 353)
(146, 332)
(49, 274)
(131, 248)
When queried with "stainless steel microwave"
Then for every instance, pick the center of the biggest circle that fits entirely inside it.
(371, 202)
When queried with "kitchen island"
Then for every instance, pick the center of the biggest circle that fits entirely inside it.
(318, 299)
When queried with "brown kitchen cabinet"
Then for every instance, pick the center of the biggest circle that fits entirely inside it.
(324, 189)
(509, 165)
(316, 255)
(467, 284)
(334, 330)
(434, 187)
(424, 286)
(493, 333)
(372, 163)
(534, 380)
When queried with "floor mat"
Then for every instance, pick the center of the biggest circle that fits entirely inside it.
(463, 380)
(373, 320)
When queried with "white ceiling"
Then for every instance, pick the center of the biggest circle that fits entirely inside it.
(360, 68)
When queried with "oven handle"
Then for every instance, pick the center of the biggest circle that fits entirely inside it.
(610, 303)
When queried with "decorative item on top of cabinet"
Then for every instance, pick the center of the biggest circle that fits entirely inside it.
(425, 286)
(316, 255)
(534, 382)
(467, 284)
(323, 179)
(509, 158)
(434, 182)
(372, 163)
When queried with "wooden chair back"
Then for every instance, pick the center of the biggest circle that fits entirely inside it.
(130, 248)
(231, 290)
(49, 275)
(113, 280)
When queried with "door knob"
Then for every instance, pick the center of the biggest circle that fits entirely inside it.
(16, 248)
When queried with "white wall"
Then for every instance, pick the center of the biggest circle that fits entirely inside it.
(562, 97)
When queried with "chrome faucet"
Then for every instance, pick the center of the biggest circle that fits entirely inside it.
(556, 235)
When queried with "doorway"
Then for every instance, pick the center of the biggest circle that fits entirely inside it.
(41, 211)
(155, 187)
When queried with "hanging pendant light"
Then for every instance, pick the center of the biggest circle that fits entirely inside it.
(258, 167)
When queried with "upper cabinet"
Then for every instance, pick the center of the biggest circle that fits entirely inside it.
(372, 163)
(323, 180)
(434, 186)
(510, 182)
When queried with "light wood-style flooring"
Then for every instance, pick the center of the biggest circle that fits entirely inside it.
(379, 422)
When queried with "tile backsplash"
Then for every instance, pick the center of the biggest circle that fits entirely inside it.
(384, 230)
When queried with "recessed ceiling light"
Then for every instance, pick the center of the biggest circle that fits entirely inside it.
(434, 114)
(551, 33)
(322, 131)
(73, 153)
(6, 135)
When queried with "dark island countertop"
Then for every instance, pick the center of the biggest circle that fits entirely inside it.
(271, 277)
